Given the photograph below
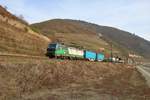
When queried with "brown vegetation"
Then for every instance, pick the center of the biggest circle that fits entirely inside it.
(33, 79)
(14, 40)
(16, 37)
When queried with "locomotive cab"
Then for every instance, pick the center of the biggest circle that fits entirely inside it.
(51, 50)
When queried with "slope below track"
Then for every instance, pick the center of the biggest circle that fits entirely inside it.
(52, 79)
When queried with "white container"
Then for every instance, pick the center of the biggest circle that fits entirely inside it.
(75, 51)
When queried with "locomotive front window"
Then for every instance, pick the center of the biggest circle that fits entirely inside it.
(52, 46)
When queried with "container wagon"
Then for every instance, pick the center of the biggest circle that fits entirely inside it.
(100, 57)
(75, 53)
(89, 55)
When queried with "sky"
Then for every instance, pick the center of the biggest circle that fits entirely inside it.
(129, 15)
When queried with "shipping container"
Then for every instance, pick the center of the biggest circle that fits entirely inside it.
(100, 57)
(89, 55)
(74, 52)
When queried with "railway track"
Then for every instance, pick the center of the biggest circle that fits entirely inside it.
(22, 56)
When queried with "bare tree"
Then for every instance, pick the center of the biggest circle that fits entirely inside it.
(21, 17)
(6, 7)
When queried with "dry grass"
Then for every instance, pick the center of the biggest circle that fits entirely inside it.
(85, 40)
(14, 40)
(41, 79)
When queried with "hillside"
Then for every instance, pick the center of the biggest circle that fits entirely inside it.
(17, 38)
(74, 34)
(123, 42)
(129, 41)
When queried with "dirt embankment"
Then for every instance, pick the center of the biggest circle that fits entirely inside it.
(30, 79)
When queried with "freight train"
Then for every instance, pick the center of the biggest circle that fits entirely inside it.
(58, 50)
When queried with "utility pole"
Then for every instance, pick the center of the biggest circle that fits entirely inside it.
(111, 52)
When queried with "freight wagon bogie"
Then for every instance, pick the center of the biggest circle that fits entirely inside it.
(99, 60)
(91, 59)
